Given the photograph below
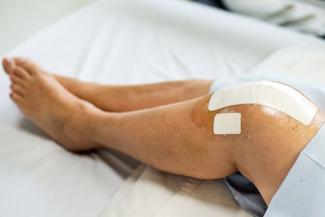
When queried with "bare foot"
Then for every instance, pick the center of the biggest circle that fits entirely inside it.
(106, 97)
(51, 107)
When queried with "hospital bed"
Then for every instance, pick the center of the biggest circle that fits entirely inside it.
(134, 41)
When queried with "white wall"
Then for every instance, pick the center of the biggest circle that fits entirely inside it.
(21, 18)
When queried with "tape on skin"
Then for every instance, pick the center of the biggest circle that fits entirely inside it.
(227, 123)
(267, 93)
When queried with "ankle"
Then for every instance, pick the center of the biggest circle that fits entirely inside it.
(104, 128)
(80, 128)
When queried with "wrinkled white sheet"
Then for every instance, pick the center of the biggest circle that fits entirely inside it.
(148, 192)
(117, 41)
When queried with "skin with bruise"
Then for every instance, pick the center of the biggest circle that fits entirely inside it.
(166, 125)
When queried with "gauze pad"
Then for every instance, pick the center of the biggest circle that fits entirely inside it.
(227, 123)
(267, 93)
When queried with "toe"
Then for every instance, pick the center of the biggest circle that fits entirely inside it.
(27, 64)
(8, 65)
(17, 80)
(16, 98)
(21, 73)
(17, 89)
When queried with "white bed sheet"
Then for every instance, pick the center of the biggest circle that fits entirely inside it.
(117, 41)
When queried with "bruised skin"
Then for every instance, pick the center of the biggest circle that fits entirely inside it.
(46, 103)
(268, 145)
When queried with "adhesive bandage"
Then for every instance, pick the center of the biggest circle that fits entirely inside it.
(267, 93)
(227, 123)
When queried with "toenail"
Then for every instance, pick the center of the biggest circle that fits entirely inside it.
(8, 59)
(21, 59)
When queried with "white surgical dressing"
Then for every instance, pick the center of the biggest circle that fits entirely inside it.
(267, 93)
(227, 123)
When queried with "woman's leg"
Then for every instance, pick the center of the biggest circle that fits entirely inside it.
(176, 138)
(119, 98)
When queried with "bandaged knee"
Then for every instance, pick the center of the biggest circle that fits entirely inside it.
(275, 95)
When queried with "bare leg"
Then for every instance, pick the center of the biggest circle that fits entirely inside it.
(176, 138)
(119, 98)
(72, 121)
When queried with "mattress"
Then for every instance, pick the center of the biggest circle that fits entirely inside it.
(118, 42)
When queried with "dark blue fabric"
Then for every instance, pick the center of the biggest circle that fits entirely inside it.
(246, 194)
(215, 3)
